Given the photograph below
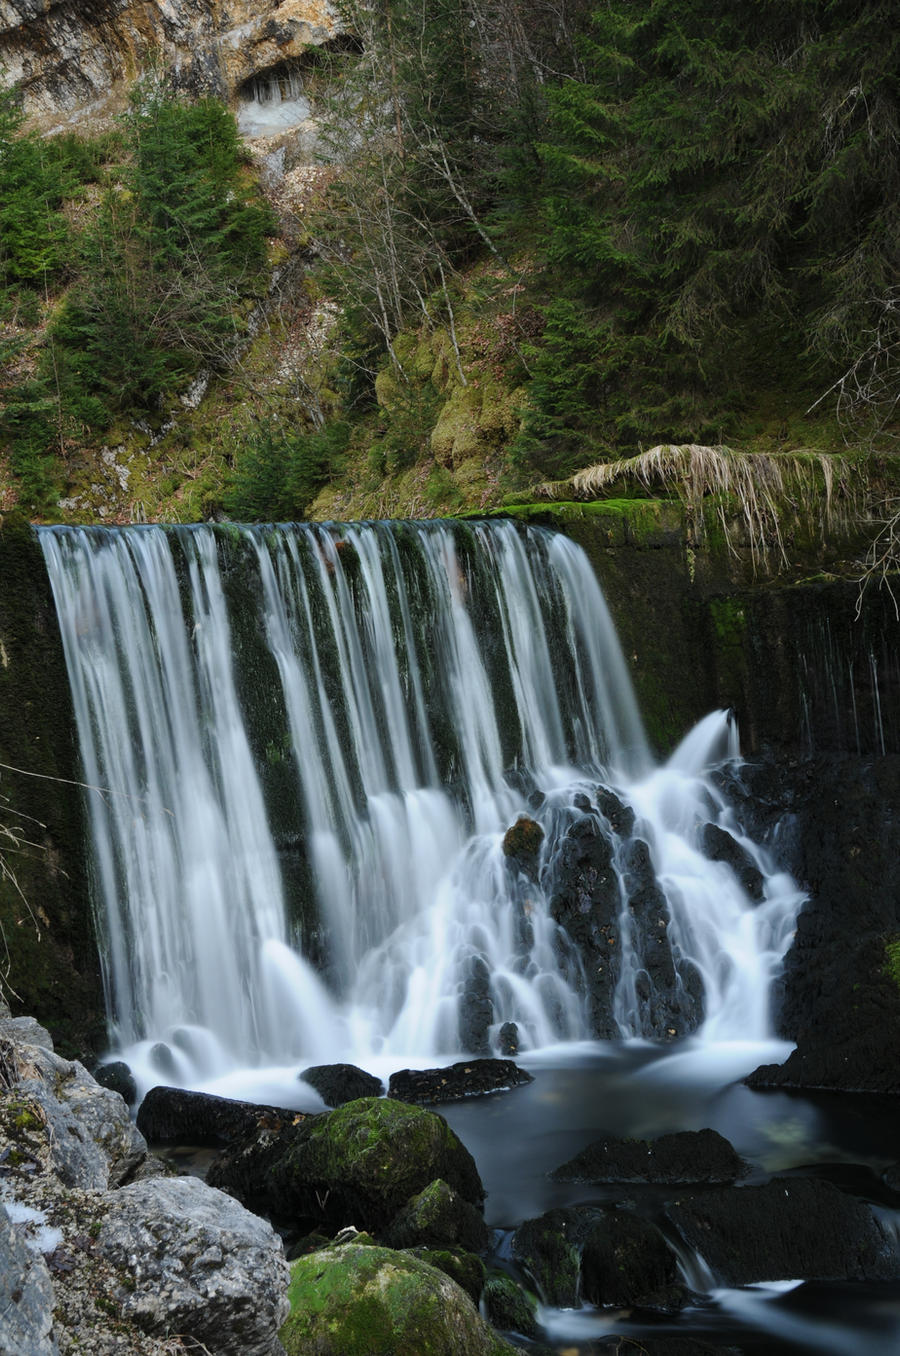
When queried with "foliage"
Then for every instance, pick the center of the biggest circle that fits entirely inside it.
(278, 471)
(720, 211)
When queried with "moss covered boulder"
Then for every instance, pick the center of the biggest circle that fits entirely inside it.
(359, 1165)
(365, 1301)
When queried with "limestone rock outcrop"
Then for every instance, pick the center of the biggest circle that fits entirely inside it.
(71, 56)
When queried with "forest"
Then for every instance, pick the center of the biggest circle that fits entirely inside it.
(554, 235)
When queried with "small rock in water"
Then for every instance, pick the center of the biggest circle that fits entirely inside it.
(509, 1039)
(684, 1158)
(162, 1059)
(339, 1083)
(469, 1078)
(118, 1078)
(720, 846)
(619, 816)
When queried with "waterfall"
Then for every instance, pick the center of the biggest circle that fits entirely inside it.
(305, 746)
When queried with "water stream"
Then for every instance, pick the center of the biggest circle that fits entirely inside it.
(306, 746)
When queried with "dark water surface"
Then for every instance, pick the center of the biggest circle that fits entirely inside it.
(583, 1093)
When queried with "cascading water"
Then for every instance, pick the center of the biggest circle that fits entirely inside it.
(363, 712)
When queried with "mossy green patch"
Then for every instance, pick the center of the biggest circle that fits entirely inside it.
(892, 960)
(370, 1301)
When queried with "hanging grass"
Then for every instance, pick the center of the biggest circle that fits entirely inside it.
(755, 495)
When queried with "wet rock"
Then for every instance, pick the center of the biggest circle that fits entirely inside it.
(522, 845)
(689, 1156)
(118, 1078)
(196, 1262)
(364, 1301)
(509, 1039)
(669, 992)
(476, 1009)
(626, 1261)
(168, 1115)
(789, 1229)
(719, 846)
(163, 1060)
(585, 901)
(438, 1217)
(358, 1164)
(468, 1078)
(619, 816)
(549, 1249)
(831, 822)
(463, 1267)
(339, 1083)
(509, 1306)
(26, 1296)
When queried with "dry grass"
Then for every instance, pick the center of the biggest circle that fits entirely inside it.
(755, 493)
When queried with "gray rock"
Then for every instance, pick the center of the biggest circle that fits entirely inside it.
(92, 1141)
(26, 1296)
(24, 1031)
(198, 1264)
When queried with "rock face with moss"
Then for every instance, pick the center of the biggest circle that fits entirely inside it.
(358, 1300)
(45, 913)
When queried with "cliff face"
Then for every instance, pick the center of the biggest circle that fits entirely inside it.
(75, 56)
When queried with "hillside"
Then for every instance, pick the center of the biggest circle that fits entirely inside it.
(467, 251)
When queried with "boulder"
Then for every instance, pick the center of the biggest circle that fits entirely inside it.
(92, 1141)
(522, 845)
(339, 1083)
(468, 1078)
(438, 1217)
(509, 1040)
(365, 1301)
(117, 1076)
(585, 901)
(168, 1115)
(195, 1262)
(463, 1267)
(626, 1262)
(789, 1229)
(476, 1008)
(549, 1249)
(689, 1156)
(26, 1296)
(509, 1306)
(619, 816)
(719, 845)
(358, 1164)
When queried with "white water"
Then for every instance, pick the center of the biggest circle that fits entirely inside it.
(424, 679)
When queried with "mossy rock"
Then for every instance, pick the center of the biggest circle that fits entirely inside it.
(463, 1267)
(358, 1165)
(509, 1306)
(364, 1301)
(438, 1215)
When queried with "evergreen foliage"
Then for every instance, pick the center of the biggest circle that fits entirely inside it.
(278, 471)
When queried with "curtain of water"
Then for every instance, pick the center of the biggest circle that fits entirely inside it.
(432, 681)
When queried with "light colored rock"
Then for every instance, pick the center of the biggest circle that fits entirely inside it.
(24, 1031)
(72, 57)
(200, 1265)
(26, 1296)
(93, 1142)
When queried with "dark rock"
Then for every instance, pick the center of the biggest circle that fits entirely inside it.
(174, 1114)
(585, 901)
(469, 1078)
(522, 844)
(582, 802)
(118, 1078)
(438, 1217)
(719, 846)
(508, 1306)
(509, 1039)
(832, 823)
(689, 1156)
(463, 1267)
(358, 1164)
(791, 1228)
(891, 1177)
(476, 1009)
(669, 992)
(339, 1083)
(620, 817)
(549, 1249)
(626, 1261)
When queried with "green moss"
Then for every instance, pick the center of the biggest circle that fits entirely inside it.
(892, 960)
(369, 1301)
